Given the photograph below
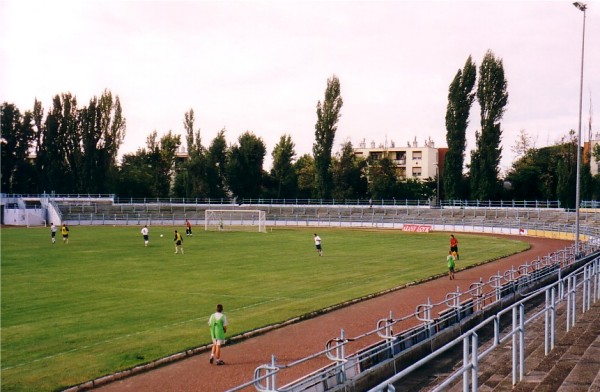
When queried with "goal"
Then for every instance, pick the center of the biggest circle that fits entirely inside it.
(235, 220)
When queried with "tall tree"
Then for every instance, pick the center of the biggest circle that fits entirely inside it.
(306, 174)
(161, 161)
(194, 143)
(531, 176)
(136, 175)
(522, 145)
(383, 180)
(17, 135)
(349, 180)
(567, 170)
(549, 173)
(244, 166)
(492, 96)
(191, 176)
(40, 132)
(595, 185)
(460, 99)
(216, 165)
(70, 135)
(103, 130)
(328, 114)
(283, 172)
(415, 189)
(59, 150)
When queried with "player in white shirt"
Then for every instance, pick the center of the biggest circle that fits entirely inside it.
(145, 234)
(53, 232)
(318, 245)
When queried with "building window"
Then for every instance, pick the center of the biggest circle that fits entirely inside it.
(375, 156)
(417, 155)
(401, 173)
(400, 158)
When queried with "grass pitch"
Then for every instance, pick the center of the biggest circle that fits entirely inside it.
(104, 302)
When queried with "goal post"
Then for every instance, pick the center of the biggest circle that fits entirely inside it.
(235, 220)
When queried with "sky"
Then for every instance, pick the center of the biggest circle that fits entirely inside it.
(262, 66)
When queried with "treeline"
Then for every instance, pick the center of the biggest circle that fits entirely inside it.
(69, 149)
(72, 149)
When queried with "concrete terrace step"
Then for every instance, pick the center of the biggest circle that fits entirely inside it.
(572, 366)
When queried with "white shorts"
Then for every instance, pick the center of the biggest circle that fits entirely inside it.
(218, 342)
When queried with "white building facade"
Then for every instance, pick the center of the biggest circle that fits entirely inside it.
(411, 161)
(594, 163)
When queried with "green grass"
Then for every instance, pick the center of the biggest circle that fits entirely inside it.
(104, 302)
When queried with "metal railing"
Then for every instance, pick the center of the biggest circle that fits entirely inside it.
(581, 286)
(428, 321)
(592, 204)
(428, 203)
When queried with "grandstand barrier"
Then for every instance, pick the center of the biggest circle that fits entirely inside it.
(460, 315)
(581, 286)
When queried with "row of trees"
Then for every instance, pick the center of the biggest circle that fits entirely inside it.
(492, 96)
(548, 173)
(221, 170)
(75, 151)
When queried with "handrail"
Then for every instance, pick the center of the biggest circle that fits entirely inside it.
(531, 204)
(591, 277)
(480, 295)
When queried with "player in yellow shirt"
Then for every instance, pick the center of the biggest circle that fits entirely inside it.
(178, 242)
(64, 230)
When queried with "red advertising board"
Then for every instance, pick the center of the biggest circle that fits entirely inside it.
(417, 228)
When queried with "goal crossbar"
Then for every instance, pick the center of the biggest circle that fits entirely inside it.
(235, 220)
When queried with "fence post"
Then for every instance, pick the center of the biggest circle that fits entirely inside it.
(474, 362)
(514, 345)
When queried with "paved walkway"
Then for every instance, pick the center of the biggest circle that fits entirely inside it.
(307, 337)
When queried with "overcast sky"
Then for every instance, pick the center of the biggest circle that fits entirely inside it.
(262, 66)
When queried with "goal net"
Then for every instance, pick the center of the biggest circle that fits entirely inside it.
(235, 220)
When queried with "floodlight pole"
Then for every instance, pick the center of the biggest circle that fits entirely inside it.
(582, 7)
(437, 192)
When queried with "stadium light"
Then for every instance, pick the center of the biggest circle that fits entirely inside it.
(581, 7)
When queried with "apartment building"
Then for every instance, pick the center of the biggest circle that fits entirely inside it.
(412, 161)
(588, 148)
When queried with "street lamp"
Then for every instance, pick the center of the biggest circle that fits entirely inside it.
(437, 193)
(581, 7)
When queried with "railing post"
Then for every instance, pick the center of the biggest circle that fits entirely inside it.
(465, 363)
(521, 341)
(270, 378)
(340, 355)
(574, 295)
(514, 344)
(388, 332)
(474, 362)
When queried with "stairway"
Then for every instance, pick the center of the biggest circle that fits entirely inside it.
(572, 366)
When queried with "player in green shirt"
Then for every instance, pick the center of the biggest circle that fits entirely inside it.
(451, 265)
(218, 326)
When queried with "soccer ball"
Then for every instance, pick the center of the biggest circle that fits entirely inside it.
(161, 236)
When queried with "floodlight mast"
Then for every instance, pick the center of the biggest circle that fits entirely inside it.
(581, 7)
